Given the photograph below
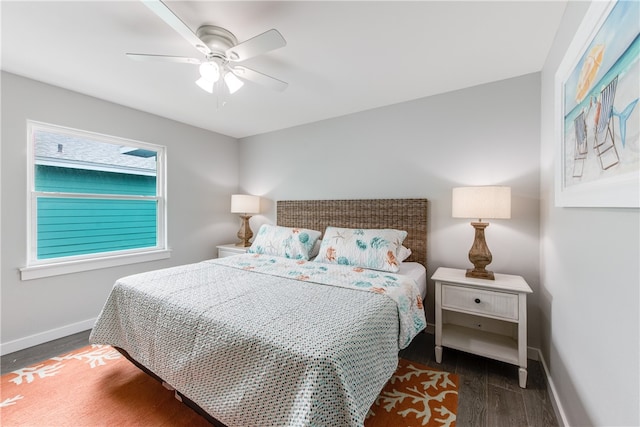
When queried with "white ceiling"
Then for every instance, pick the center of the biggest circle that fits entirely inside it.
(341, 57)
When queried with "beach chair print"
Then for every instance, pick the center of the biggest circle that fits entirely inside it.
(580, 154)
(604, 141)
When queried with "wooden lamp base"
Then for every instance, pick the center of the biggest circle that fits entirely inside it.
(479, 255)
(245, 233)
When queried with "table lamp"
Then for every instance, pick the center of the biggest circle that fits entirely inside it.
(484, 202)
(245, 205)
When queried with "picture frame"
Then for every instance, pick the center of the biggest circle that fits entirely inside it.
(597, 116)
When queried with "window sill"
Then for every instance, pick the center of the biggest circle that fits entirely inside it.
(47, 270)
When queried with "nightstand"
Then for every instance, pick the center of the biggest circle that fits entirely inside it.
(483, 317)
(230, 249)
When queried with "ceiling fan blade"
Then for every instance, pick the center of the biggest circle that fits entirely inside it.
(163, 11)
(163, 58)
(259, 78)
(269, 40)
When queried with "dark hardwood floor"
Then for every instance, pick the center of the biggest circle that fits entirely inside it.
(29, 356)
(489, 395)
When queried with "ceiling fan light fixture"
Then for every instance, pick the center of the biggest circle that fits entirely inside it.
(210, 71)
(205, 84)
(219, 46)
(233, 82)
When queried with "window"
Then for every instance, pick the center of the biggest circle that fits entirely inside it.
(95, 201)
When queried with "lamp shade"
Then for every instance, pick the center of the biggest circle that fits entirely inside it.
(244, 203)
(488, 202)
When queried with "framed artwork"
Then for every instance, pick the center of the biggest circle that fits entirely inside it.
(597, 87)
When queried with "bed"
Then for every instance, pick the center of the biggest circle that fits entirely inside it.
(261, 339)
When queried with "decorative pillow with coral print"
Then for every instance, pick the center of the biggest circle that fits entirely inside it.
(295, 243)
(376, 249)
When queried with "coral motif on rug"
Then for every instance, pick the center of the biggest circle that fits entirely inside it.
(96, 385)
(95, 355)
(416, 395)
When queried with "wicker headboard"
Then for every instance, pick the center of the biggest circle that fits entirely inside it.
(401, 214)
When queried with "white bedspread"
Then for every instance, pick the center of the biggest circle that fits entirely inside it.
(255, 348)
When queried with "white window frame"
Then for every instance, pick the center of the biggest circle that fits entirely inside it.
(71, 264)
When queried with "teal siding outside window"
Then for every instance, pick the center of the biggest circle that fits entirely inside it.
(70, 180)
(68, 226)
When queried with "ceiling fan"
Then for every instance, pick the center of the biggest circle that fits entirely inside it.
(221, 52)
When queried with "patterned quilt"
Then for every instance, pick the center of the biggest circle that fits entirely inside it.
(265, 341)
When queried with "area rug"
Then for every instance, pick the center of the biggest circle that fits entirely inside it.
(97, 386)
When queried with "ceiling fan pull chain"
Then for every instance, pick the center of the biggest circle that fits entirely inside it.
(221, 98)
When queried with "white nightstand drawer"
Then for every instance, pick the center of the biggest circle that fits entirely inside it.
(498, 304)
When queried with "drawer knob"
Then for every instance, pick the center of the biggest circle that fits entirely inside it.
(477, 300)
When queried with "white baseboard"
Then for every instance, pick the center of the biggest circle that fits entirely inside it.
(46, 336)
(553, 394)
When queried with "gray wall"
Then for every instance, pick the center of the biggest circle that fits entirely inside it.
(482, 135)
(589, 285)
(202, 172)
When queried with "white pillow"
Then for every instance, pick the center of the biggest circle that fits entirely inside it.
(403, 253)
(368, 248)
(316, 249)
(295, 243)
